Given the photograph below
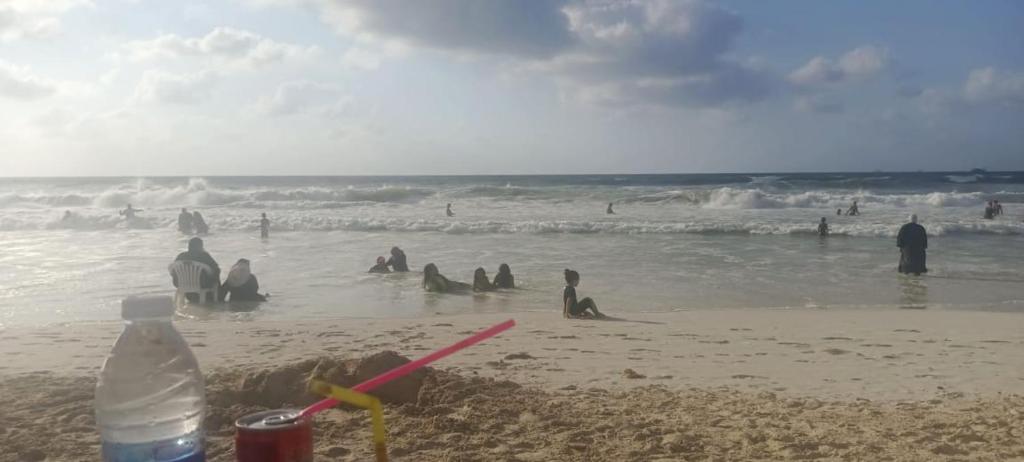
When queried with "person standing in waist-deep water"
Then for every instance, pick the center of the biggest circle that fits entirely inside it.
(433, 281)
(380, 267)
(504, 279)
(448, 210)
(397, 261)
(610, 211)
(199, 223)
(854, 210)
(480, 281)
(185, 222)
(839, 212)
(197, 254)
(128, 213)
(823, 228)
(264, 226)
(571, 308)
(241, 285)
(913, 243)
(997, 208)
(990, 211)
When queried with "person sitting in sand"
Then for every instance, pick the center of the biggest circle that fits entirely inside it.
(185, 222)
(823, 228)
(197, 254)
(433, 281)
(397, 261)
(380, 267)
(609, 211)
(128, 213)
(854, 210)
(241, 285)
(504, 279)
(199, 223)
(448, 210)
(264, 226)
(571, 308)
(480, 281)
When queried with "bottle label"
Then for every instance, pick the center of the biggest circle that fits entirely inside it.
(173, 450)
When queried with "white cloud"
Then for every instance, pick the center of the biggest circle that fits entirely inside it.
(162, 87)
(17, 82)
(860, 63)
(990, 85)
(305, 97)
(224, 43)
(33, 19)
(360, 58)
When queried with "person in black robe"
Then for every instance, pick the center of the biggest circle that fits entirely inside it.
(504, 279)
(241, 285)
(185, 222)
(823, 228)
(199, 223)
(480, 281)
(397, 261)
(609, 211)
(913, 243)
(197, 254)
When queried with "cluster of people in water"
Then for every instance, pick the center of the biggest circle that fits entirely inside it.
(239, 286)
(992, 210)
(912, 240)
(192, 223)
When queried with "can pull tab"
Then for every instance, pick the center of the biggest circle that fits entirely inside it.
(282, 419)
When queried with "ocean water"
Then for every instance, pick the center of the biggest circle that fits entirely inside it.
(676, 242)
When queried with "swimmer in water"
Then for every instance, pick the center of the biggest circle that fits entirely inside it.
(128, 213)
(504, 279)
(854, 210)
(823, 228)
(397, 261)
(480, 281)
(433, 281)
(448, 210)
(199, 223)
(913, 243)
(264, 226)
(571, 308)
(185, 222)
(380, 267)
(610, 211)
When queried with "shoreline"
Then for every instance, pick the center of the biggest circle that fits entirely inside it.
(826, 354)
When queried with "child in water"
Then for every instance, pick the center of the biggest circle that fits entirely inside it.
(433, 281)
(380, 267)
(571, 308)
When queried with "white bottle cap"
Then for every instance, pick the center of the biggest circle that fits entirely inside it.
(148, 306)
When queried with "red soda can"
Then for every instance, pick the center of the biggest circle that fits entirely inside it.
(281, 435)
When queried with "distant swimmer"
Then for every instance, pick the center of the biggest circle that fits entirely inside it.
(913, 243)
(448, 210)
(197, 254)
(128, 213)
(998, 208)
(397, 261)
(480, 281)
(990, 211)
(380, 267)
(839, 212)
(185, 222)
(823, 228)
(241, 285)
(504, 279)
(67, 216)
(854, 210)
(264, 226)
(610, 211)
(199, 223)
(571, 307)
(433, 281)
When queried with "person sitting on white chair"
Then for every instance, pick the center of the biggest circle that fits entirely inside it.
(197, 254)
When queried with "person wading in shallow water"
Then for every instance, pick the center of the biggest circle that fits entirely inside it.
(913, 243)
(823, 228)
(448, 210)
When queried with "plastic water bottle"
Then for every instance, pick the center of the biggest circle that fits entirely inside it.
(149, 399)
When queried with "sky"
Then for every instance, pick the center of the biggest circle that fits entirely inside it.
(396, 87)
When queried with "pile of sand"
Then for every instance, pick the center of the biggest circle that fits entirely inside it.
(439, 416)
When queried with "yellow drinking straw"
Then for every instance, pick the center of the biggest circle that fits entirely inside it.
(364, 401)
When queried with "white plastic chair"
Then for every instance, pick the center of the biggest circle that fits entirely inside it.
(189, 275)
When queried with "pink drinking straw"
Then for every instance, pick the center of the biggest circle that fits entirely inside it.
(409, 367)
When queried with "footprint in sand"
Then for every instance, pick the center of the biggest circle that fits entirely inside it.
(747, 376)
(718, 342)
(836, 351)
(913, 331)
(836, 338)
(740, 329)
(518, 356)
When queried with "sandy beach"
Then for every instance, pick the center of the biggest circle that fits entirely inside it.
(693, 385)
